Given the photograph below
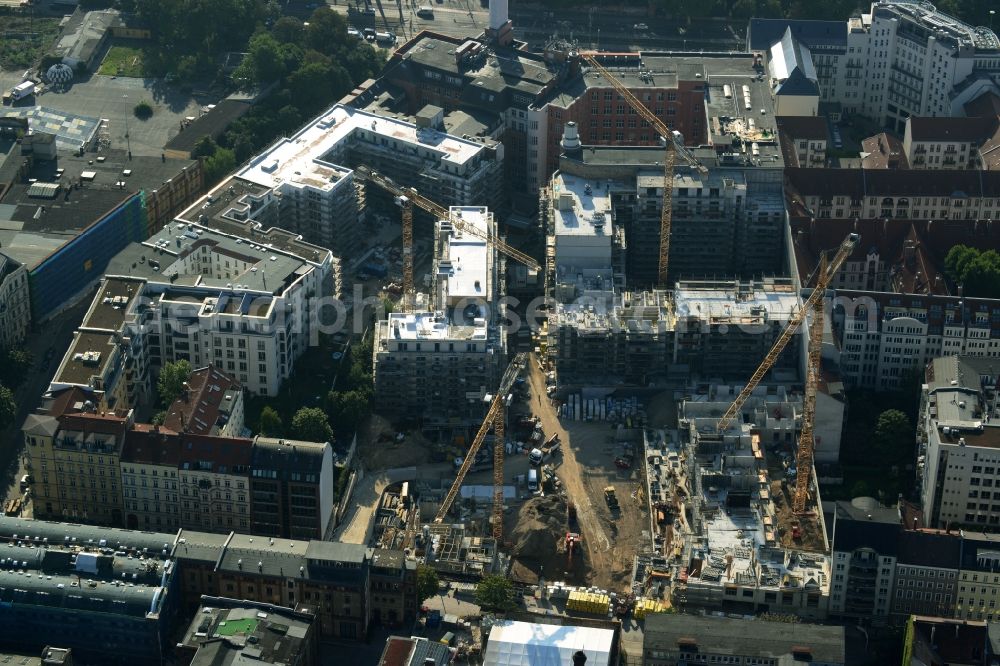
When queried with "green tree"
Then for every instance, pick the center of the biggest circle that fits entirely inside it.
(270, 424)
(15, 367)
(427, 583)
(264, 61)
(310, 424)
(346, 409)
(312, 84)
(288, 30)
(159, 417)
(327, 30)
(977, 271)
(893, 438)
(205, 147)
(495, 592)
(143, 110)
(170, 383)
(8, 407)
(219, 165)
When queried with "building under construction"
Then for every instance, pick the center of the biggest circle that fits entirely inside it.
(439, 363)
(744, 550)
(705, 329)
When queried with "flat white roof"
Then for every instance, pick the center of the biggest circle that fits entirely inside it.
(431, 326)
(469, 255)
(729, 304)
(581, 207)
(528, 644)
(297, 157)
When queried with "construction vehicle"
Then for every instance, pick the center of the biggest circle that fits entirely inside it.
(813, 304)
(611, 498)
(572, 547)
(495, 419)
(545, 451)
(672, 145)
(796, 531)
(405, 198)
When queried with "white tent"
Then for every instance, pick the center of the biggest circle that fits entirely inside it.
(528, 644)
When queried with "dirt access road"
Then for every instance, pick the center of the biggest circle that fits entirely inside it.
(587, 466)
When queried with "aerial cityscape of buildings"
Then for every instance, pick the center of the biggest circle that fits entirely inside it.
(347, 399)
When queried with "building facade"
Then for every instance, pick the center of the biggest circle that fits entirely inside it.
(440, 364)
(979, 577)
(74, 454)
(959, 474)
(865, 550)
(675, 640)
(15, 302)
(927, 567)
(291, 488)
(149, 467)
(898, 60)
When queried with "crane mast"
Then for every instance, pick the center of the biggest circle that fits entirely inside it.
(669, 139)
(804, 456)
(440, 212)
(495, 412)
(822, 280)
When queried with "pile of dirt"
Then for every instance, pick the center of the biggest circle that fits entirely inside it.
(540, 525)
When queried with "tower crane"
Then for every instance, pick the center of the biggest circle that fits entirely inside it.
(495, 419)
(826, 271)
(672, 148)
(406, 198)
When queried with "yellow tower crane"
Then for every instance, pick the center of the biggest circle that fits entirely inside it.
(406, 198)
(495, 419)
(814, 304)
(672, 147)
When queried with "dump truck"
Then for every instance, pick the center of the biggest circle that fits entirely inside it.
(610, 498)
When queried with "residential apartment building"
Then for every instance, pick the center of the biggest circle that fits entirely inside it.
(951, 143)
(110, 594)
(804, 140)
(676, 640)
(440, 364)
(214, 482)
(926, 580)
(211, 404)
(899, 60)
(15, 302)
(393, 586)
(979, 577)
(74, 454)
(229, 295)
(291, 488)
(842, 194)
(150, 461)
(894, 307)
(960, 443)
(865, 551)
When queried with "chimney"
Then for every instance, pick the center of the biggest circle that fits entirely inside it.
(579, 658)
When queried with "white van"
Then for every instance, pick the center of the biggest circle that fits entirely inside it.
(533, 480)
(426, 11)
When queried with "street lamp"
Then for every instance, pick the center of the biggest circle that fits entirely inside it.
(128, 142)
(992, 14)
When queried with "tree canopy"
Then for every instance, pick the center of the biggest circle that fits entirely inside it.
(8, 407)
(495, 592)
(270, 423)
(170, 383)
(976, 270)
(14, 366)
(310, 424)
(427, 582)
